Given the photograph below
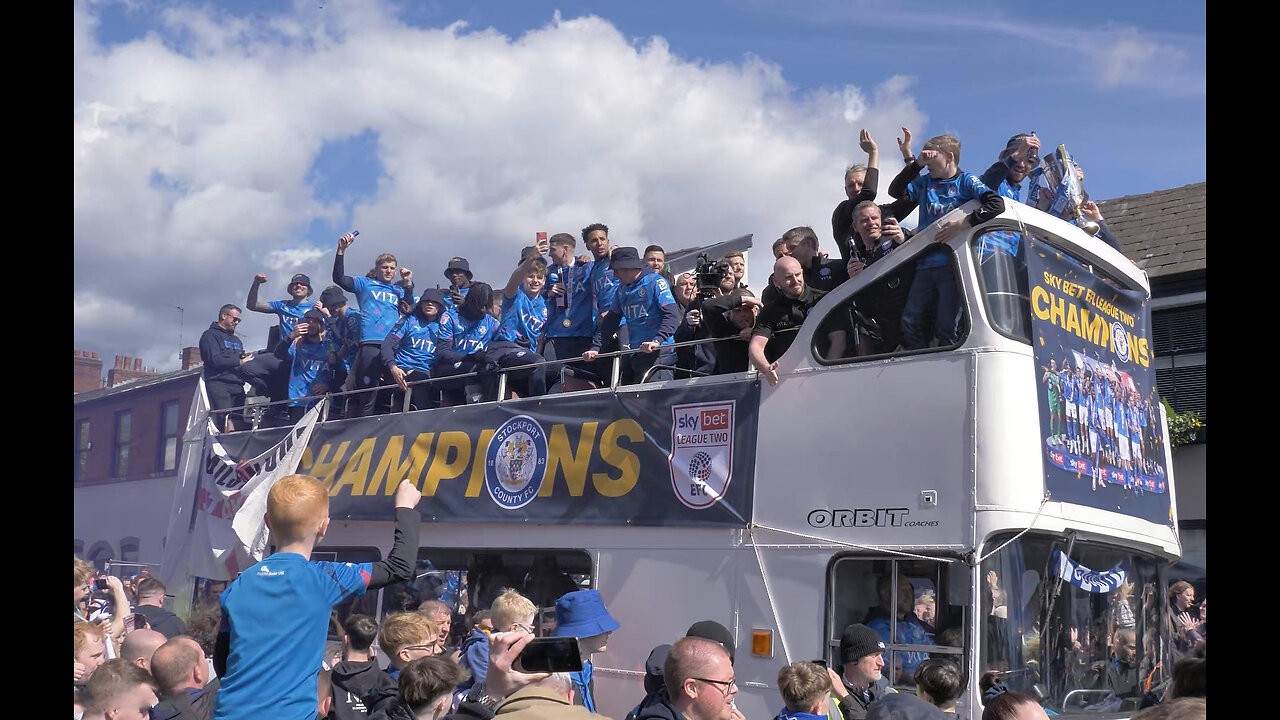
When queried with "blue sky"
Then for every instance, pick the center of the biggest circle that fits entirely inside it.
(228, 106)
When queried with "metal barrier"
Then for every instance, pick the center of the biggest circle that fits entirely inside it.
(615, 377)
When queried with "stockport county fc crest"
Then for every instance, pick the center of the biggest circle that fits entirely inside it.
(516, 462)
(701, 452)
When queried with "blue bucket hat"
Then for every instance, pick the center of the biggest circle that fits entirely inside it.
(581, 613)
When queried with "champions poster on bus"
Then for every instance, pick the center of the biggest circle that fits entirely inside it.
(1099, 409)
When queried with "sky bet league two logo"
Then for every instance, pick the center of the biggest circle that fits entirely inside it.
(516, 462)
(701, 452)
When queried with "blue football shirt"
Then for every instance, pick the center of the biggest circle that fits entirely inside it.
(419, 342)
(523, 319)
(641, 304)
(937, 198)
(289, 313)
(379, 308)
(579, 319)
(471, 336)
(310, 368)
(277, 613)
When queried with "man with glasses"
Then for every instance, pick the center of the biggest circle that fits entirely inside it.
(222, 353)
(404, 637)
(700, 683)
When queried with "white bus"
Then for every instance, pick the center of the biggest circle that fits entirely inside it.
(913, 491)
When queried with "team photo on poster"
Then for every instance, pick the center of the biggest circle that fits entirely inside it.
(1099, 408)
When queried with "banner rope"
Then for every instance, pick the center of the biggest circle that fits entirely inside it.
(844, 543)
(768, 593)
(1002, 546)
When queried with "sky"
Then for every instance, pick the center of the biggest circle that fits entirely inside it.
(214, 141)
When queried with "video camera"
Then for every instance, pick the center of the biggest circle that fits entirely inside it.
(709, 274)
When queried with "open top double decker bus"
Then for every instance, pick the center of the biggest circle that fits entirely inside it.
(949, 497)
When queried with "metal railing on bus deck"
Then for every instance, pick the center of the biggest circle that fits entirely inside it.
(615, 377)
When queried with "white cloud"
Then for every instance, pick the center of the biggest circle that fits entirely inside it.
(483, 140)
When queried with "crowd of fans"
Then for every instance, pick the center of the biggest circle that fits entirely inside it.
(256, 648)
(555, 322)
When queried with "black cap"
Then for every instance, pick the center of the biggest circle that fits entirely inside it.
(712, 630)
(300, 278)
(857, 642)
(625, 258)
(742, 292)
(653, 679)
(903, 706)
(332, 297)
(313, 314)
(434, 295)
(458, 263)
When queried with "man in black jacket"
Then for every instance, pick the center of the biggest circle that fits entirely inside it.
(182, 673)
(222, 353)
(731, 317)
(151, 606)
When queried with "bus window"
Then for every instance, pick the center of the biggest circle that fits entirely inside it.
(1001, 258)
(872, 317)
(926, 597)
(1092, 642)
(366, 604)
(1000, 254)
(468, 580)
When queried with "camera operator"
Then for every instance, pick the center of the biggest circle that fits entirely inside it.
(731, 317)
(711, 279)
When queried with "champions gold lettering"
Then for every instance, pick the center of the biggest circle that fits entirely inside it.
(579, 456)
(1059, 302)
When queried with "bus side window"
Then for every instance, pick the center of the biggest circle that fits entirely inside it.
(469, 580)
(872, 317)
(921, 610)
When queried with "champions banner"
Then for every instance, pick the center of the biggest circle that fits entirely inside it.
(1100, 425)
(676, 456)
(1084, 578)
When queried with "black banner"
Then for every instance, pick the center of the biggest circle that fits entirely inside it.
(677, 456)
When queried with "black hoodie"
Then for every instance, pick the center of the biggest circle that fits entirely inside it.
(352, 680)
(220, 351)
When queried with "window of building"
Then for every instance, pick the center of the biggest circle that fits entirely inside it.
(1179, 339)
(100, 554)
(927, 597)
(875, 319)
(466, 580)
(168, 447)
(83, 444)
(129, 549)
(120, 458)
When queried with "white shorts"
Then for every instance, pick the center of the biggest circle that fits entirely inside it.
(1106, 416)
(1071, 410)
(1123, 442)
(1093, 437)
(1137, 449)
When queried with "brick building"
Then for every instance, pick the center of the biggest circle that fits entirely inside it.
(128, 435)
